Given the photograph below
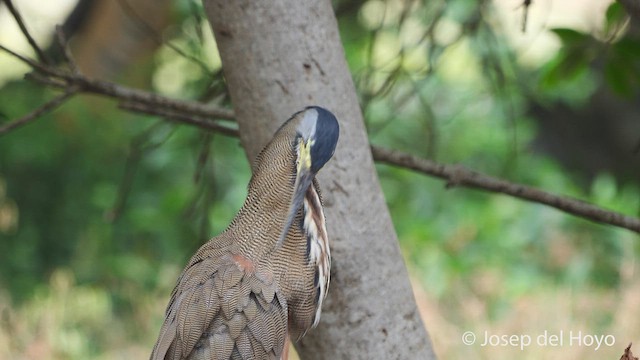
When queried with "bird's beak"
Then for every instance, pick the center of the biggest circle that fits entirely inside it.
(304, 178)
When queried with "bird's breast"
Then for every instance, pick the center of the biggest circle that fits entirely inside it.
(317, 246)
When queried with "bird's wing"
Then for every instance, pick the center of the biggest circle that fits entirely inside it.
(222, 310)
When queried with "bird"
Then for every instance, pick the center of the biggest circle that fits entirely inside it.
(262, 281)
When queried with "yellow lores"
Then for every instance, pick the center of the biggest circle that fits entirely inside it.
(304, 154)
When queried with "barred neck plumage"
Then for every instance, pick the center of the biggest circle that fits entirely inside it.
(318, 253)
(261, 217)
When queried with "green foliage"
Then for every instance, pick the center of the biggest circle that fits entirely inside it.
(110, 193)
(572, 63)
(619, 51)
(474, 114)
(622, 70)
(615, 17)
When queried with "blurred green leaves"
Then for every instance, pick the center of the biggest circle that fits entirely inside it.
(617, 50)
(572, 63)
(615, 18)
(470, 108)
(622, 70)
(105, 192)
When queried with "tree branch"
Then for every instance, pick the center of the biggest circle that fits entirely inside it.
(43, 109)
(201, 115)
(52, 76)
(150, 31)
(457, 175)
(34, 45)
(125, 94)
(199, 121)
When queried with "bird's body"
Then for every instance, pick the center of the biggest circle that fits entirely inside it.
(244, 292)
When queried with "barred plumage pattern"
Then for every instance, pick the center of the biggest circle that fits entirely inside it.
(239, 297)
(317, 245)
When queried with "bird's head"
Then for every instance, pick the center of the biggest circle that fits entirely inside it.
(314, 132)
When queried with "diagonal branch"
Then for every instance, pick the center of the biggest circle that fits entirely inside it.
(150, 31)
(60, 78)
(34, 45)
(457, 175)
(125, 94)
(195, 120)
(202, 115)
(32, 63)
(42, 110)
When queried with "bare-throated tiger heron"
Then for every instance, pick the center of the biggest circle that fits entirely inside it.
(263, 279)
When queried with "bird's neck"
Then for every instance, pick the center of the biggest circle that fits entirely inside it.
(263, 214)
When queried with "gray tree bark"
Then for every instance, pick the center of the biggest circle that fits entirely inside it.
(278, 57)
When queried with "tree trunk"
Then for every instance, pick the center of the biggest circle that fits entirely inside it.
(278, 57)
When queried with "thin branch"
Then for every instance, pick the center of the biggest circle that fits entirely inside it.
(525, 14)
(122, 93)
(45, 80)
(119, 92)
(203, 156)
(43, 109)
(34, 45)
(457, 175)
(32, 63)
(199, 121)
(140, 144)
(150, 31)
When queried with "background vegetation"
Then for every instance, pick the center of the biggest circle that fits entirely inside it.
(101, 208)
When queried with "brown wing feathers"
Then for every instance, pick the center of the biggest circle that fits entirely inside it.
(220, 311)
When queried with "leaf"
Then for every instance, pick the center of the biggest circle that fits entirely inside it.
(614, 17)
(566, 66)
(571, 37)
